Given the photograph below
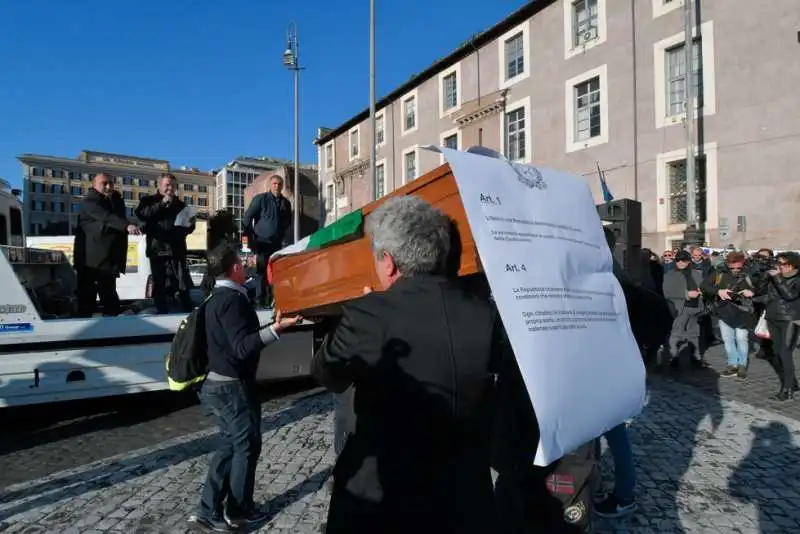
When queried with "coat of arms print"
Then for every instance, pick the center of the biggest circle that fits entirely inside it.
(529, 176)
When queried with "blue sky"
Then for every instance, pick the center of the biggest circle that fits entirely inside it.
(199, 82)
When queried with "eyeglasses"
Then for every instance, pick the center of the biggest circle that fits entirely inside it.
(783, 264)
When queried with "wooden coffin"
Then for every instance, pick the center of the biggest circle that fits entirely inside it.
(316, 282)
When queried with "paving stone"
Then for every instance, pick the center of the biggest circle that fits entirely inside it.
(705, 464)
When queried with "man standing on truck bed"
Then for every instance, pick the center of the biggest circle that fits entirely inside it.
(265, 224)
(166, 244)
(101, 247)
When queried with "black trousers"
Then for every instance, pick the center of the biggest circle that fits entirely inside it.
(232, 470)
(263, 252)
(166, 282)
(784, 336)
(93, 283)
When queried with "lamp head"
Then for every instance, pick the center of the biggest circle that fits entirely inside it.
(288, 56)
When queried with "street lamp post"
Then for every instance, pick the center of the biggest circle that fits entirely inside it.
(292, 62)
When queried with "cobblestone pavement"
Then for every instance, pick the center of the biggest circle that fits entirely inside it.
(39, 440)
(761, 382)
(705, 465)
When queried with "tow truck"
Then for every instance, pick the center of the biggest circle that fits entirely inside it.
(48, 355)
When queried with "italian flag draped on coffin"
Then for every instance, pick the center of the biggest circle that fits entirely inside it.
(346, 228)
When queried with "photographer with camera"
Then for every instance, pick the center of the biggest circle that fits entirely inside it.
(730, 292)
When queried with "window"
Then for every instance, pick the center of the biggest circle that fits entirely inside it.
(57, 189)
(329, 194)
(188, 187)
(129, 212)
(409, 111)
(451, 141)
(58, 173)
(584, 21)
(676, 77)
(329, 156)
(380, 180)
(127, 195)
(670, 76)
(202, 189)
(202, 201)
(515, 134)
(76, 190)
(410, 164)
(142, 194)
(514, 56)
(662, 7)
(127, 180)
(354, 144)
(587, 109)
(586, 106)
(584, 26)
(188, 200)
(76, 208)
(58, 207)
(37, 171)
(380, 127)
(37, 187)
(678, 194)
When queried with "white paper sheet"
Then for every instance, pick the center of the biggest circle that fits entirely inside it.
(185, 216)
(541, 244)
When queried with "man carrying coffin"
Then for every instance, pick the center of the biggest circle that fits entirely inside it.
(418, 354)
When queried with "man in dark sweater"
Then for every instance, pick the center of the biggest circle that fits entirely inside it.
(266, 222)
(235, 339)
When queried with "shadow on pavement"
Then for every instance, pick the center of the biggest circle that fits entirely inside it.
(38, 425)
(69, 486)
(761, 478)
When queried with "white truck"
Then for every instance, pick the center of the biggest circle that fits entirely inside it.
(47, 355)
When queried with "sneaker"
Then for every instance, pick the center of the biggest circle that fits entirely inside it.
(613, 507)
(729, 372)
(211, 524)
(253, 517)
(741, 374)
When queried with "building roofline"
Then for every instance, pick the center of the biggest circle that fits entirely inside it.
(476, 41)
(27, 158)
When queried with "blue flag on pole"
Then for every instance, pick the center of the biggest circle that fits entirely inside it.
(607, 196)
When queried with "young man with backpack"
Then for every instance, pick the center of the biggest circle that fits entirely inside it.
(233, 342)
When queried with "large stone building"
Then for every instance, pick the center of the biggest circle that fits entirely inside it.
(54, 186)
(576, 84)
(233, 179)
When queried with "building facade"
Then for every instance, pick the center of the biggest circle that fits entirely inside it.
(577, 84)
(234, 178)
(53, 187)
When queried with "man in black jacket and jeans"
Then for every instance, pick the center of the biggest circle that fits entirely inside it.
(266, 222)
(166, 244)
(234, 339)
(101, 247)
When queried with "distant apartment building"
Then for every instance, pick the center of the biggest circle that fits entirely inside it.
(237, 175)
(574, 84)
(54, 186)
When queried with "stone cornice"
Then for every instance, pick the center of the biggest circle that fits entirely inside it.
(485, 111)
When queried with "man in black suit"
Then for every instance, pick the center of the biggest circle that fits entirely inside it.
(166, 244)
(418, 355)
(101, 247)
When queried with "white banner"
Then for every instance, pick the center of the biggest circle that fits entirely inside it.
(542, 247)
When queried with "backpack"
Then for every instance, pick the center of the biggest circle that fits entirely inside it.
(187, 359)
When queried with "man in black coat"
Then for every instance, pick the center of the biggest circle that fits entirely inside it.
(265, 223)
(166, 244)
(101, 247)
(419, 357)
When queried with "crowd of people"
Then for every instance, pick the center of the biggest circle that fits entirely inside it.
(753, 299)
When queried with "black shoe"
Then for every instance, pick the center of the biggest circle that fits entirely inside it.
(212, 524)
(784, 395)
(612, 507)
(699, 363)
(253, 517)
